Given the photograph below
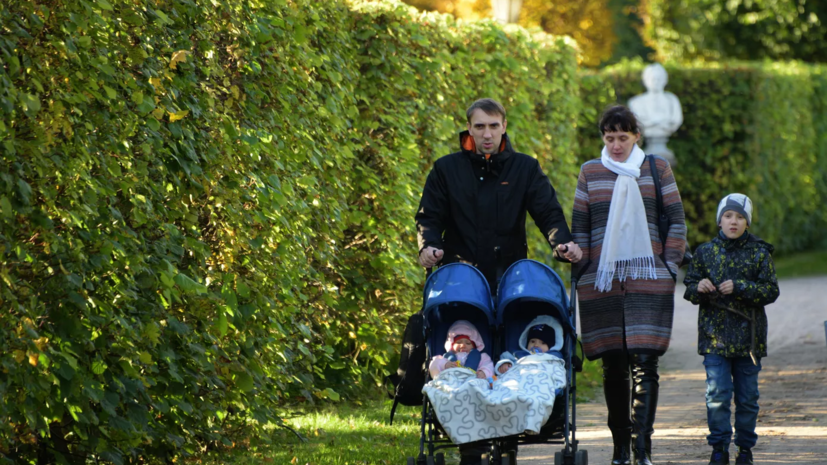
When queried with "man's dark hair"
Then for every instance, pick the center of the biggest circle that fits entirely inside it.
(488, 105)
(618, 118)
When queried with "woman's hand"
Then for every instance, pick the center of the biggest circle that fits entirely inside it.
(504, 367)
(481, 374)
(705, 286)
(451, 365)
(570, 251)
(726, 287)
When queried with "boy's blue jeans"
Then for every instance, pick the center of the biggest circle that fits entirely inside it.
(725, 376)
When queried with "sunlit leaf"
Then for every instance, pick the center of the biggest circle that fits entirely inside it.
(331, 394)
(188, 285)
(178, 115)
(178, 57)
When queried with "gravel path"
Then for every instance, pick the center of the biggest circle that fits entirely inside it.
(792, 424)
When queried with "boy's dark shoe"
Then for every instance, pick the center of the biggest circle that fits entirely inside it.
(720, 456)
(744, 457)
(642, 457)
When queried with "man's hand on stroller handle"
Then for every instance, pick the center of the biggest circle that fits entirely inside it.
(430, 256)
(570, 251)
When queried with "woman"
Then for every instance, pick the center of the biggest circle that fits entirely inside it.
(627, 288)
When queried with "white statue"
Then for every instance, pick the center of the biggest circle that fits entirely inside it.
(658, 112)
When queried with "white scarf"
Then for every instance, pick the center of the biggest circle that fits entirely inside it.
(627, 248)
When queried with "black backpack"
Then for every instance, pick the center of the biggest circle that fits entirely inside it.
(663, 218)
(410, 376)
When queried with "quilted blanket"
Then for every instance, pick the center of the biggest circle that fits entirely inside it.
(519, 401)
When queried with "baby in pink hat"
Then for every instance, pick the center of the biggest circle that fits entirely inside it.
(463, 348)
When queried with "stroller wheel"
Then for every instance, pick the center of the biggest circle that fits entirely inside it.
(581, 457)
(430, 460)
(411, 461)
(510, 458)
(440, 459)
(558, 458)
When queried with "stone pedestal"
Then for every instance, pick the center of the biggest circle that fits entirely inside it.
(657, 146)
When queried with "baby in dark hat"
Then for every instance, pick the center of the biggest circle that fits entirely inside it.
(539, 337)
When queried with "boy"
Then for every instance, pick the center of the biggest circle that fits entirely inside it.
(732, 277)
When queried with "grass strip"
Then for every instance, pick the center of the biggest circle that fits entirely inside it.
(353, 434)
(812, 263)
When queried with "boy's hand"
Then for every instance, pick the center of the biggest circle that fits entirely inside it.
(705, 286)
(726, 287)
(481, 374)
(451, 365)
(504, 367)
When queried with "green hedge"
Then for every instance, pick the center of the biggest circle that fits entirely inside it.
(751, 128)
(207, 206)
(737, 29)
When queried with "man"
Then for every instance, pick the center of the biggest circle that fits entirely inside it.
(475, 201)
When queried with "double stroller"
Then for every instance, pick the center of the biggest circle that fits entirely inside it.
(528, 289)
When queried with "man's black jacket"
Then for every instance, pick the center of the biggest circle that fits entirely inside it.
(474, 208)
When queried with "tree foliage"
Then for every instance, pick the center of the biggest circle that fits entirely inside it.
(738, 29)
(752, 128)
(207, 206)
(466, 9)
(586, 21)
(628, 29)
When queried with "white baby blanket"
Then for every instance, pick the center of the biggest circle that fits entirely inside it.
(521, 399)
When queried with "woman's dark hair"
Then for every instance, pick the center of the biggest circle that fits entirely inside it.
(618, 118)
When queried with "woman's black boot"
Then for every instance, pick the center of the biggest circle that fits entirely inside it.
(644, 404)
(622, 454)
(618, 392)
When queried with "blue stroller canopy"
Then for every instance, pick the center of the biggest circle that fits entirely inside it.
(457, 292)
(458, 283)
(530, 280)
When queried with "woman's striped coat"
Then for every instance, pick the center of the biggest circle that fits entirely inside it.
(637, 313)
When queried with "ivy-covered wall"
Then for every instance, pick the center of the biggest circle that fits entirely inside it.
(751, 128)
(207, 206)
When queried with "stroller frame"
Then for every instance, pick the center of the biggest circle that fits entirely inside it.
(432, 439)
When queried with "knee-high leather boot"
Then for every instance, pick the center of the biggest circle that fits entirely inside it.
(644, 404)
(617, 390)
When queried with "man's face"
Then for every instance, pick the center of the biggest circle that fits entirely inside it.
(487, 131)
(733, 224)
(532, 343)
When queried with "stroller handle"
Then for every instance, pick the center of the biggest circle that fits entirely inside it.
(430, 269)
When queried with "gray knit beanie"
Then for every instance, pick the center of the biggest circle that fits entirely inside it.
(738, 203)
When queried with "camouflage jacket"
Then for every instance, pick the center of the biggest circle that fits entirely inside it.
(747, 261)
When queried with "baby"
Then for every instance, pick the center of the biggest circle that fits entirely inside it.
(539, 337)
(463, 348)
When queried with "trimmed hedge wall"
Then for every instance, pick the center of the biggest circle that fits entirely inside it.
(751, 128)
(723, 30)
(207, 206)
